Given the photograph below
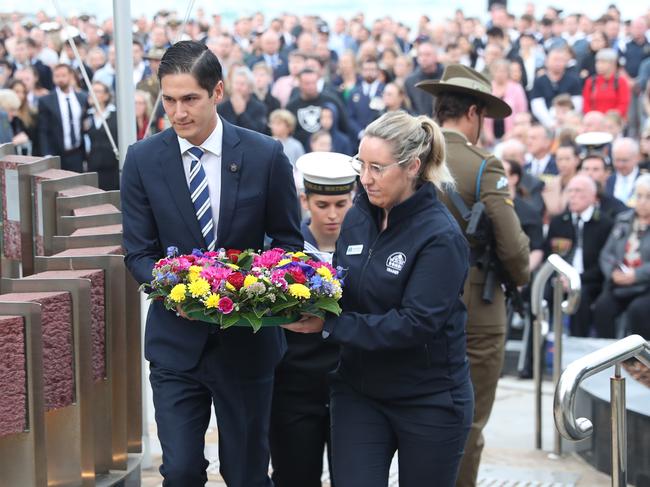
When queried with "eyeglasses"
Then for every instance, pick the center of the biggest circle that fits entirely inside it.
(376, 170)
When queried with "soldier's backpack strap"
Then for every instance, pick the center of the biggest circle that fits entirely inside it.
(479, 175)
(460, 205)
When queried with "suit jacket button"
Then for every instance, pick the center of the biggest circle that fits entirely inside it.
(234, 167)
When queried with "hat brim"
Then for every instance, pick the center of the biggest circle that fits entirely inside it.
(495, 107)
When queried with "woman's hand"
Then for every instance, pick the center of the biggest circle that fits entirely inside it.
(306, 324)
(623, 278)
(181, 313)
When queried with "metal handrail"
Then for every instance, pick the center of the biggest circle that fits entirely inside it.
(554, 265)
(576, 429)
(565, 393)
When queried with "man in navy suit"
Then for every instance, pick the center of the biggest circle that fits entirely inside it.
(540, 160)
(251, 194)
(60, 116)
(365, 103)
(625, 158)
(271, 55)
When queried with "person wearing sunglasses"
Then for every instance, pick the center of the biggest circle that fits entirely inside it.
(402, 384)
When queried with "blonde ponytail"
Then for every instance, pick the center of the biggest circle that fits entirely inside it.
(415, 137)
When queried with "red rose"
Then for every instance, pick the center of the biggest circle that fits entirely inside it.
(226, 305)
(233, 255)
(298, 276)
(236, 279)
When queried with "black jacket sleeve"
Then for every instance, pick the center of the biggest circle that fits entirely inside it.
(430, 298)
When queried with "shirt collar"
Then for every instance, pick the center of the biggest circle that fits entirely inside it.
(586, 215)
(632, 176)
(212, 144)
(61, 94)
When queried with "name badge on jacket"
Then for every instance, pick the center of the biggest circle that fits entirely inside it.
(354, 249)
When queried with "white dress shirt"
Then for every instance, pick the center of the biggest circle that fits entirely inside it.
(211, 162)
(538, 166)
(138, 72)
(65, 117)
(624, 185)
(585, 216)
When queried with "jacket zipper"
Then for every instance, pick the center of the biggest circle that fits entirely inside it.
(365, 265)
(363, 272)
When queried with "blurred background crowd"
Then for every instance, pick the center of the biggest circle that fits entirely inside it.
(316, 85)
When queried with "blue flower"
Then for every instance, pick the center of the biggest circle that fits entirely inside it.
(172, 251)
(306, 269)
(197, 253)
(316, 282)
(172, 279)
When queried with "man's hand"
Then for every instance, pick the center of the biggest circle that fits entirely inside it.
(306, 324)
(623, 278)
(20, 139)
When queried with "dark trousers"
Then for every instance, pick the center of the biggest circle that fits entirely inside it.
(485, 352)
(300, 425)
(183, 400)
(583, 318)
(428, 432)
(608, 307)
(73, 160)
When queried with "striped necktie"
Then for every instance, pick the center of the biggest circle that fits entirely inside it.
(200, 194)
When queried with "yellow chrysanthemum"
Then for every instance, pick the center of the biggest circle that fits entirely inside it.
(283, 262)
(199, 288)
(299, 291)
(177, 294)
(194, 273)
(250, 279)
(230, 287)
(300, 255)
(325, 273)
(212, 301)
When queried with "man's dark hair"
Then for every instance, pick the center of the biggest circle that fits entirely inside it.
(191, 57)
(452, 106)
(496, 32)
(595, 155)
(574, 148)
(306, 71)
(67, 67)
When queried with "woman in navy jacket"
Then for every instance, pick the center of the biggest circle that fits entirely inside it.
(403, 381)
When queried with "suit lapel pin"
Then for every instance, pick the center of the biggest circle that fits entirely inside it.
(234, 167)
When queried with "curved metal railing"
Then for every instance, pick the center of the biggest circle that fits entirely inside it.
(576, 429)
(554, 265)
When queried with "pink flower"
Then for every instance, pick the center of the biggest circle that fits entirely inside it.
(181, 264)
(217, 272)
(161, 263)
(226, 305)
(269, 258)
(277, 278)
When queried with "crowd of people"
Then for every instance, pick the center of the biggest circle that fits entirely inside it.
(316, 86)
(562, 99)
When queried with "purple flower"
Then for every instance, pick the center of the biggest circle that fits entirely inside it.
(172, 251)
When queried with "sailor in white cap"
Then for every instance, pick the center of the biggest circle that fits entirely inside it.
(328, 181)
(300, 411)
